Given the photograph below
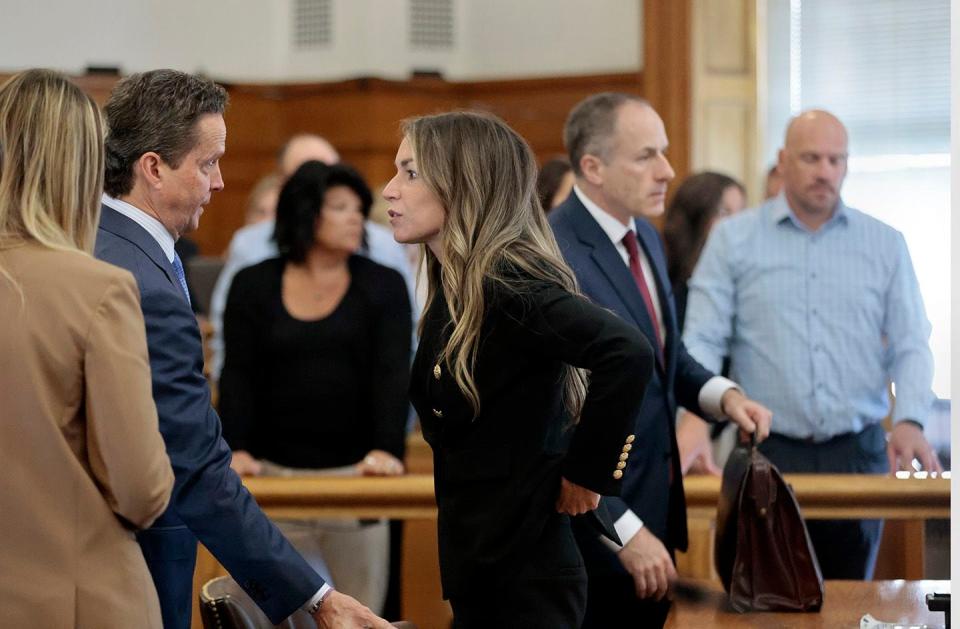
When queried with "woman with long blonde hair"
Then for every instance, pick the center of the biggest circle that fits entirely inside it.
(520, 442)
(84, 462)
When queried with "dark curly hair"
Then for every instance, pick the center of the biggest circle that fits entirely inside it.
(301, 200)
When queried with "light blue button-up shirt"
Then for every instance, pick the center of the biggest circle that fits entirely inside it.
(816, 323)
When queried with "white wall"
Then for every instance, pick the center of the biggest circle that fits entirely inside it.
(552, 37)
(250, 40)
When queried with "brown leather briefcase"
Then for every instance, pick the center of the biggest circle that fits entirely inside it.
(762, 551)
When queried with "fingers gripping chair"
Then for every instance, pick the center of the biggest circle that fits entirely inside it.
(224, 605)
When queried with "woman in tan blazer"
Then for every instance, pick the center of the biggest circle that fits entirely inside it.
(83, 460)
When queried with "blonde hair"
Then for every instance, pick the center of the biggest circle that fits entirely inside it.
(51, 162)
(484, 175)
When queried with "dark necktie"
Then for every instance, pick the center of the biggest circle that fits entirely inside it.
(181, 276)
(633, 250)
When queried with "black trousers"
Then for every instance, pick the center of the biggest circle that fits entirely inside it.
(546, 590)
(611, 595)
(613, 603)
(846, 549)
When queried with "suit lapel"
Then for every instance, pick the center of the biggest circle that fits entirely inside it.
(119, 225)
(608, 260)
(657, 264)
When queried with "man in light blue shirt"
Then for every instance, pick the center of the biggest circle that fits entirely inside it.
(818, 307)
(254, 243)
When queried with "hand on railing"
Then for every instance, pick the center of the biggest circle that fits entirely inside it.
(244, 464)
(380, 463)
(906, 443)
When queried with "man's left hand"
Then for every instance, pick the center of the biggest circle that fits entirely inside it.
(749, 415)
(907, 443)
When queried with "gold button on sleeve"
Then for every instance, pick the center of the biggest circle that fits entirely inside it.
(618, 474)
(624, 456)
(630, 438)
(621, 465)
(627, 447)
(436, 371)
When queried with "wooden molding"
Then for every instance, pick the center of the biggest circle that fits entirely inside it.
(666, 73)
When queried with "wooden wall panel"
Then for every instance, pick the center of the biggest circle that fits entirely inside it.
(725, 91)
(538, 108)
(725, 138)
(361, 118)
(667, 74)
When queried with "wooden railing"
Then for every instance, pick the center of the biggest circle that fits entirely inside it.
(411, 496)
(398, 497)
(838, 496)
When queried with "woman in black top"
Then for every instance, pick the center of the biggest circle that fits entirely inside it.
(317, 363)
(520, 443)
(700, 201)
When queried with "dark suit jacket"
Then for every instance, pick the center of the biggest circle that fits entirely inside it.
(209, 502)
(497, 475)
(604, 278)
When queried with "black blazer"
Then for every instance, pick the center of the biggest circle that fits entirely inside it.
(607, 281)
(497, 475)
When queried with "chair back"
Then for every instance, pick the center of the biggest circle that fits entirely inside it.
(224, 605)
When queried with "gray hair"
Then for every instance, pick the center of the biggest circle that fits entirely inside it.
(156, 112)
(590, 125)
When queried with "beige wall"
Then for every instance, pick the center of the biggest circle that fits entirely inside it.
(726, 80)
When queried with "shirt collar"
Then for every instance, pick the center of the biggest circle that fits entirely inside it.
(154, 227)
(781, 211)
(614, 229)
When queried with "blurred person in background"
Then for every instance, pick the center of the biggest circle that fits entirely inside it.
(316, 367)
(554, 182)
(262, 202)
(254, 243)
(698, 203)
(818, 307)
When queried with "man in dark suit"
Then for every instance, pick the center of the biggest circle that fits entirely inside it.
(166, 136)
(617, 147)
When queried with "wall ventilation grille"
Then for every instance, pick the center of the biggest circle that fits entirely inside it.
(312, 24)
(431, 24)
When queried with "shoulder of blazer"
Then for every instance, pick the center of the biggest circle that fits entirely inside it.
(649, 233)
(140, 243)
(573, 225)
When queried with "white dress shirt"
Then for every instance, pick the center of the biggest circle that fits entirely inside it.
(710, 395)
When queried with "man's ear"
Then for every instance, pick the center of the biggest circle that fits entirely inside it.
(592, 168)
(150, 167)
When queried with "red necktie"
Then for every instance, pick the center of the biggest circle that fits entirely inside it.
(633, 250)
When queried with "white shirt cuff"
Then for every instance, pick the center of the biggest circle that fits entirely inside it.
(309, 605)
(711, 395)
(626, 526)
